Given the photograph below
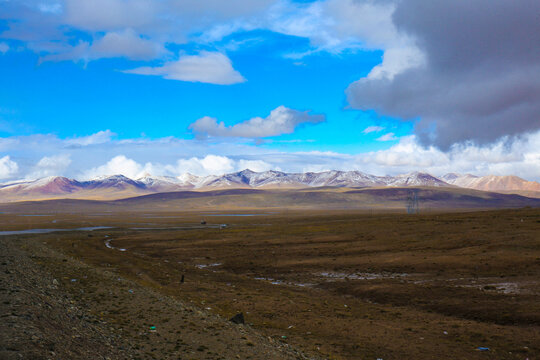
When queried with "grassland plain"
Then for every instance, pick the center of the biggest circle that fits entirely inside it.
(336, 284)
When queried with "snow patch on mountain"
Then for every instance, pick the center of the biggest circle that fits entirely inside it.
(119, 184)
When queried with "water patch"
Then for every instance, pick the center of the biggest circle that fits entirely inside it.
(506, 288)
(178, 227)
(234, 214)
(272, 281)
(503, 287)
(46, 231)
(36, 215)
(161, 217)
(92, 228)
(204, 266)
(286, 283)
(108, 244)
(360, 276)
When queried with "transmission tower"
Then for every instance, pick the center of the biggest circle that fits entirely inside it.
(412, 202)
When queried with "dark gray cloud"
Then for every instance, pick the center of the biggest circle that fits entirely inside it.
(481, 76)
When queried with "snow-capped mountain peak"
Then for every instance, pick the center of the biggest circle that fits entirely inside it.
(57, 186)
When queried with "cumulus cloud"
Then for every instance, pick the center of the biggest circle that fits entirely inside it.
(332, 25)
(281, 120)
(477, 81)
(256, 165)
(370, 24)
(119, 165)
(99, 15)
(125, 43)
(57, 161)
(135, 29)
(395, 61)
(338, 25)
(50, 166)
(519, 156)
(171, 157)
(206, 67)
(209, 165)
(157, 15)
(218, 165)
(8, 167)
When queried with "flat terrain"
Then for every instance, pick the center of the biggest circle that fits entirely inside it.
(311, 284)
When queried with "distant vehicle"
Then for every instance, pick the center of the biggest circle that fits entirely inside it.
(222, 226)
(203, 222)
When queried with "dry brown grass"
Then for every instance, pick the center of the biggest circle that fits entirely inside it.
(416, 287)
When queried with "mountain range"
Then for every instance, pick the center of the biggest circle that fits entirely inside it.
(119, 186)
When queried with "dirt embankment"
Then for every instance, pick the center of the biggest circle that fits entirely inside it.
(55, 307)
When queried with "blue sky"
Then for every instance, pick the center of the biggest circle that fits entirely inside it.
(99, 87)
(78, 99)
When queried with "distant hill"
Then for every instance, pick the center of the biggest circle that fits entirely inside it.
(507, 184)
(368, 198)
(119, 186)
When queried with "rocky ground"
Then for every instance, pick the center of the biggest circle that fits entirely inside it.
(55, 307)
(338, 285)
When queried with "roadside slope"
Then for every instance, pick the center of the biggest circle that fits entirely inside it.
(57, 307)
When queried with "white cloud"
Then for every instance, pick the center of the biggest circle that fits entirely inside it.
(209, 165)
(50, 166)
(98, 138)
(8, 167)
(255, 165)
(206, 67)
(57, 161)
(124, 43)
(368, 21)
(119, 165)
(446, 85)
(202, 166)
(337, 25)
(407, 154)
(519, 157)
(371, 129)
(281, 120)
(387, 137)
(110, 15)
(4, 48)
(332, 25)
(395, 61)
(173, 156)
(138, 29)
(153, 16)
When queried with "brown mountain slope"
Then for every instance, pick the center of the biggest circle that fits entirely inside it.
(377, 199)
(508, 183)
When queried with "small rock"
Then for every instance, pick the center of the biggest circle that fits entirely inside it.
(238, 318)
